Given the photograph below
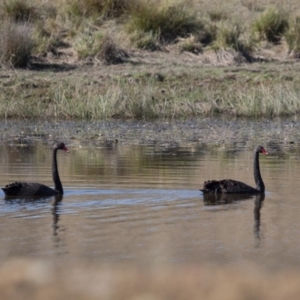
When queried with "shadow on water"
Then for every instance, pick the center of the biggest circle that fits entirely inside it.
(217, 199)
(30, 199)
(24, 199)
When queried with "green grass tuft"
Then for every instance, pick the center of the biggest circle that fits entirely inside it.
(232, 36)
(271, 25)
(227, 37)
(88, 43)
(110, 53)
(252, 5)
(292, 37)
(146, 41)
(16, 44)
(190, 44)
(102, 8)
(19, 10)
(164, 20)
(217, 15)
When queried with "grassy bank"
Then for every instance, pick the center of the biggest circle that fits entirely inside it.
(150, 92)
(90, 59)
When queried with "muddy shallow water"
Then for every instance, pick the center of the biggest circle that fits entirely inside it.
(283, 134)
(128, 202)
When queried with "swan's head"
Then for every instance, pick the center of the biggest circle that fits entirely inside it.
(61, 146)
(260, 149)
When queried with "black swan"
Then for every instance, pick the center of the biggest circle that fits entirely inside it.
(229, 186)
(34, 189)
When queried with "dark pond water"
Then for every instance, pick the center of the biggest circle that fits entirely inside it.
(137, 204)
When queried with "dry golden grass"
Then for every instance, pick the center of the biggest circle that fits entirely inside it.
(79, 24)
(31, 279)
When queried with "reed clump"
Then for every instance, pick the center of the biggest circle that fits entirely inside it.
(292, 37)
(165, 21)
(97, 8)
(271, 25)
(18, 10)
(16, 44)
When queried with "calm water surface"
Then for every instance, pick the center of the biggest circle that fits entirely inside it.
(134, 204)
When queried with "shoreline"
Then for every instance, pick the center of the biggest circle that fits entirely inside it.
(281, 134)
(153, 86)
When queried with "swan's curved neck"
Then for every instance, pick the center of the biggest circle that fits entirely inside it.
(57, 183)
(257, 177)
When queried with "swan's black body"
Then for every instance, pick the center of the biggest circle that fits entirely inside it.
(33, 189)
(229, 186)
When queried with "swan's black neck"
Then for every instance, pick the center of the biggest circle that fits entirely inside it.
(257, 177)
(57, 183)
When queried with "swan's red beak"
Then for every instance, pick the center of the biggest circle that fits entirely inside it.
(65, 149)
(263, 151)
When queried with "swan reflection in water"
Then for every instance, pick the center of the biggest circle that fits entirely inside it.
(258, 204)
(219, 199)
(55, 204)
(50, 204)
(57, 199)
